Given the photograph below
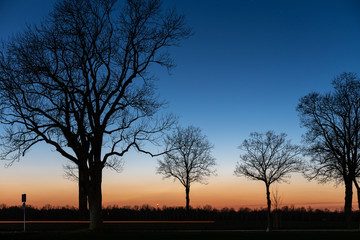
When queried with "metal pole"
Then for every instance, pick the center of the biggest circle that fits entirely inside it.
(24, 216)
(23, 199)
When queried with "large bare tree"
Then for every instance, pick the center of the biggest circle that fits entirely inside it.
(187, 158)
(333, 134)
(268, 158)
(81, 83)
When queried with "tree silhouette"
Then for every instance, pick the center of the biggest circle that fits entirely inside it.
(269, 158)
(72, 173)
(187, 158)
(277, 199)
(357, 186)
(333, 134)
(81, 83)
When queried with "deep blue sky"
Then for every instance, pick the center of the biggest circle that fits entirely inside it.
(247, 64)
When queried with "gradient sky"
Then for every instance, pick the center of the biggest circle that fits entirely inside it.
(244, 70)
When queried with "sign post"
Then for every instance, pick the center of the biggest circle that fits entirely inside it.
(23, 199)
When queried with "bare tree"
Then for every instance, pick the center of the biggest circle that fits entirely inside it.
(277, 199)
(269, 158)
(187, 158)
(80, 82)
(276, 203)
(333, 135)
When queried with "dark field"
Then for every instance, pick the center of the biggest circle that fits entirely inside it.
(148, 223)
(182, 234)
(166, 230)
(112, 226)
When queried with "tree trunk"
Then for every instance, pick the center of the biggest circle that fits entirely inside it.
(82, 196)
(187, 190)
(348, 201)
(95, 199)
(358, 197)
(358, 192)
(269, 227)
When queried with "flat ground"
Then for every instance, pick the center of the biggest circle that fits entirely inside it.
(182, 235)
(171, 230)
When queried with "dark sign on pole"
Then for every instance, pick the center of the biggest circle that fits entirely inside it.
(23, 198)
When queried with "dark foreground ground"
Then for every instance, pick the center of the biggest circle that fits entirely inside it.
(169, 230)
(182, 235)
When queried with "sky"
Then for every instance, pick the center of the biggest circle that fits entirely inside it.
(244, 70)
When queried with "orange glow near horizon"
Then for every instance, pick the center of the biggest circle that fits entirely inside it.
(46, 185)
(231, 194)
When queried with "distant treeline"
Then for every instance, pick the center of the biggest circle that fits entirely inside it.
(147, 212)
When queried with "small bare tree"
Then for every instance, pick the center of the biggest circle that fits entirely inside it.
(276, 198)
(276, 203)
(269, 158)
(187, 159)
